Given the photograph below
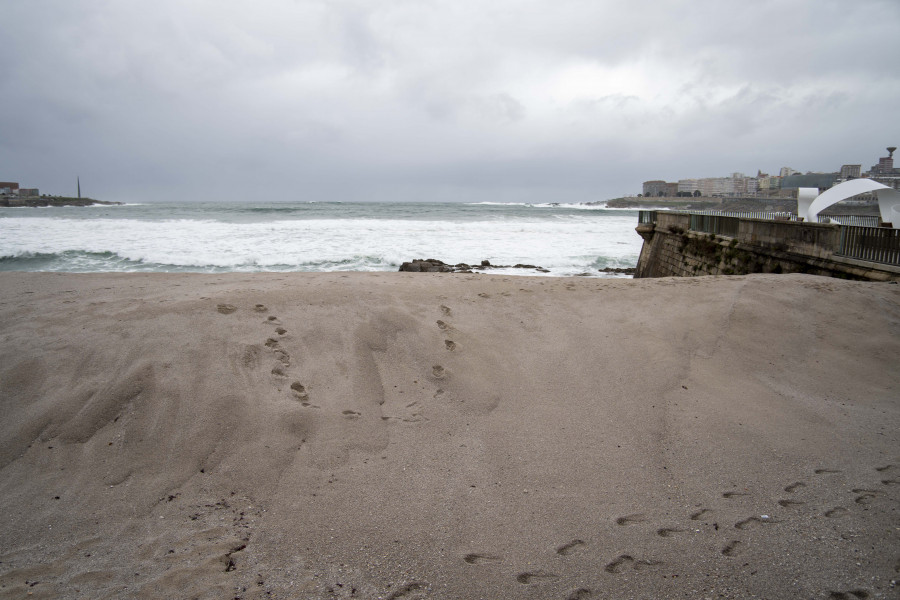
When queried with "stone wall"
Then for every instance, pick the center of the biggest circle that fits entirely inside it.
(671, 250)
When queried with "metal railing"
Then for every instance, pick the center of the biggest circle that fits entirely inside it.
(756, 214)
(649, 216)
(855, 220)
(717, 224)
(646, 217)
(875, 244)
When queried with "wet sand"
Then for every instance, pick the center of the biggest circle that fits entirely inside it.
(394, 435)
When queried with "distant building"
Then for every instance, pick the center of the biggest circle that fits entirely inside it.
(658, 187)
(787, 172)
(688, 186)
(885, 164)
(768, 183)
(736, 185)
(823, 181)
(884, 172)
(29, 192)
(654, 187)
(741, 185)
(9, 187)
(851, 171)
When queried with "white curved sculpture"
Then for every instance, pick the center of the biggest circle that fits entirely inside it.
(889, 205)
(805, 197)
(888, 200)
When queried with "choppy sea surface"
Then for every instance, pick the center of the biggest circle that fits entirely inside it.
(566, 239)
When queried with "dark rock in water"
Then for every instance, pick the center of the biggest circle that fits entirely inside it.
(433, 265)
(430, 265)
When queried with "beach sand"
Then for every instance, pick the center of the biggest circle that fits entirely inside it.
(394, 435)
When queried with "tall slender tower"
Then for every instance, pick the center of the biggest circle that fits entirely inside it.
(79, 186)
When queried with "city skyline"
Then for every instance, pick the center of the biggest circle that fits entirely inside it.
(739, 184)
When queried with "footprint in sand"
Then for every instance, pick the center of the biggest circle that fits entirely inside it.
(851, 595)
(789, 503)
(278, 372)
(226, 309)
(438, 371)
(826, 471)
(260, 308)
(699, 514)
(570, 548)
(283, 357)
(836, 512)
(884, 468)
(481, 559)
(228, 560)
(351, 414)
(580, 594)
(445, 310)
(443, 325)
(790, 489)
(730, 495)
(536, 577)
(890, 482)
(301, 394)
(624, 561)
(668, 531)
(407, 589)
(281, 331)
(732, 548)
(866, 496)
(630, 519)
(450, 344)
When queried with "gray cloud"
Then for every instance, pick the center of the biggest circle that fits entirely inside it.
(570, 100)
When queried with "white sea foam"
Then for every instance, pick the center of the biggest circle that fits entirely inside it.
(566, 244)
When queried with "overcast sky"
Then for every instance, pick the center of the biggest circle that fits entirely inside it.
(427, 100)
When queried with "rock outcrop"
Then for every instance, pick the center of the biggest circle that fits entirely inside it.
(433, 265)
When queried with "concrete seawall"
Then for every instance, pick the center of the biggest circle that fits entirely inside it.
(671, 248)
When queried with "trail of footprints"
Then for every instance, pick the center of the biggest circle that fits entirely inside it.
(281, 370)
(625, 563)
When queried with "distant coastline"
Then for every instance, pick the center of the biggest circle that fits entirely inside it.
(737, 205)
(767, 204)
(41, 201)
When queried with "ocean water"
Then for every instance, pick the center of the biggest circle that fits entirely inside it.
(567, 239)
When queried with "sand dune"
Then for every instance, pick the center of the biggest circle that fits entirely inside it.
(392, 435)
